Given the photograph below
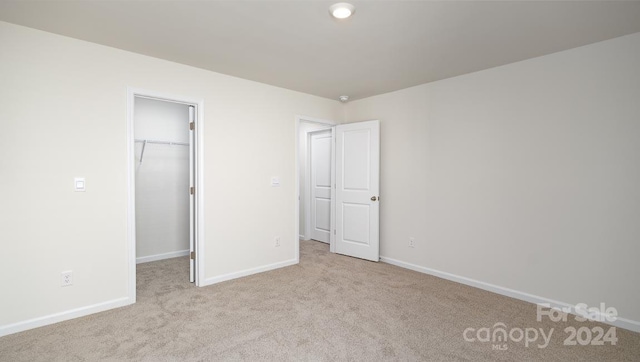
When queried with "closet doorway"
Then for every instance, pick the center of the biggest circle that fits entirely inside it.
(164, 200)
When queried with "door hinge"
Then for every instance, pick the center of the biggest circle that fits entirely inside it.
(192, 125)
(193, 255)
(192, 190)
(334, 231)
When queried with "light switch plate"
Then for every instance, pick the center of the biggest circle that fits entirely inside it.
(275, 182)
(79, 184)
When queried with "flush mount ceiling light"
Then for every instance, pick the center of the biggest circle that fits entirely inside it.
(344, 99)
(342, 10)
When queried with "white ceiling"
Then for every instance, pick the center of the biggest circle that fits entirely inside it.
(295, 44)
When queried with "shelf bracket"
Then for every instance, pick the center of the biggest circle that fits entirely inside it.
(144, 144)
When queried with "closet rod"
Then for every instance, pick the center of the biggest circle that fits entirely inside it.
(164, 142)
(144, 145)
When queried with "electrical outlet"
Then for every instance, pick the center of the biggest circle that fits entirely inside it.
(66, 278)
(412, 242)
(277, 241)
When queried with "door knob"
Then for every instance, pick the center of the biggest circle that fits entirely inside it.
(373, 198)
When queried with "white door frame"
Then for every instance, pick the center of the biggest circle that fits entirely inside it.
(132, 93)
(298, 120)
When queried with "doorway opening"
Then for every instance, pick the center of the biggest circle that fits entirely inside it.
(313, 139)
(338, 171)
(165, 182)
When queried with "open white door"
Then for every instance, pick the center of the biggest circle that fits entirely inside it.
(357, 165)
(320, 157)
(192, 196)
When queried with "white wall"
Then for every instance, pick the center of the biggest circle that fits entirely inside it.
(303, 151)
(63, 115)
(523, 176)
(162, 179)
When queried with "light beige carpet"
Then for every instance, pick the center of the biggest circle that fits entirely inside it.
(329, 307)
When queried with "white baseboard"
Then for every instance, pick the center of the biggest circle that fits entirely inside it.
(173, 254)
(619, 322)
(244, 273)
(63, 316)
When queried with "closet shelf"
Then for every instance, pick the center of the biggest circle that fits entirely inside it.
(170, 143)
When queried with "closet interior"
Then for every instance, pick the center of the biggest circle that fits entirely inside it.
(161, 132)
